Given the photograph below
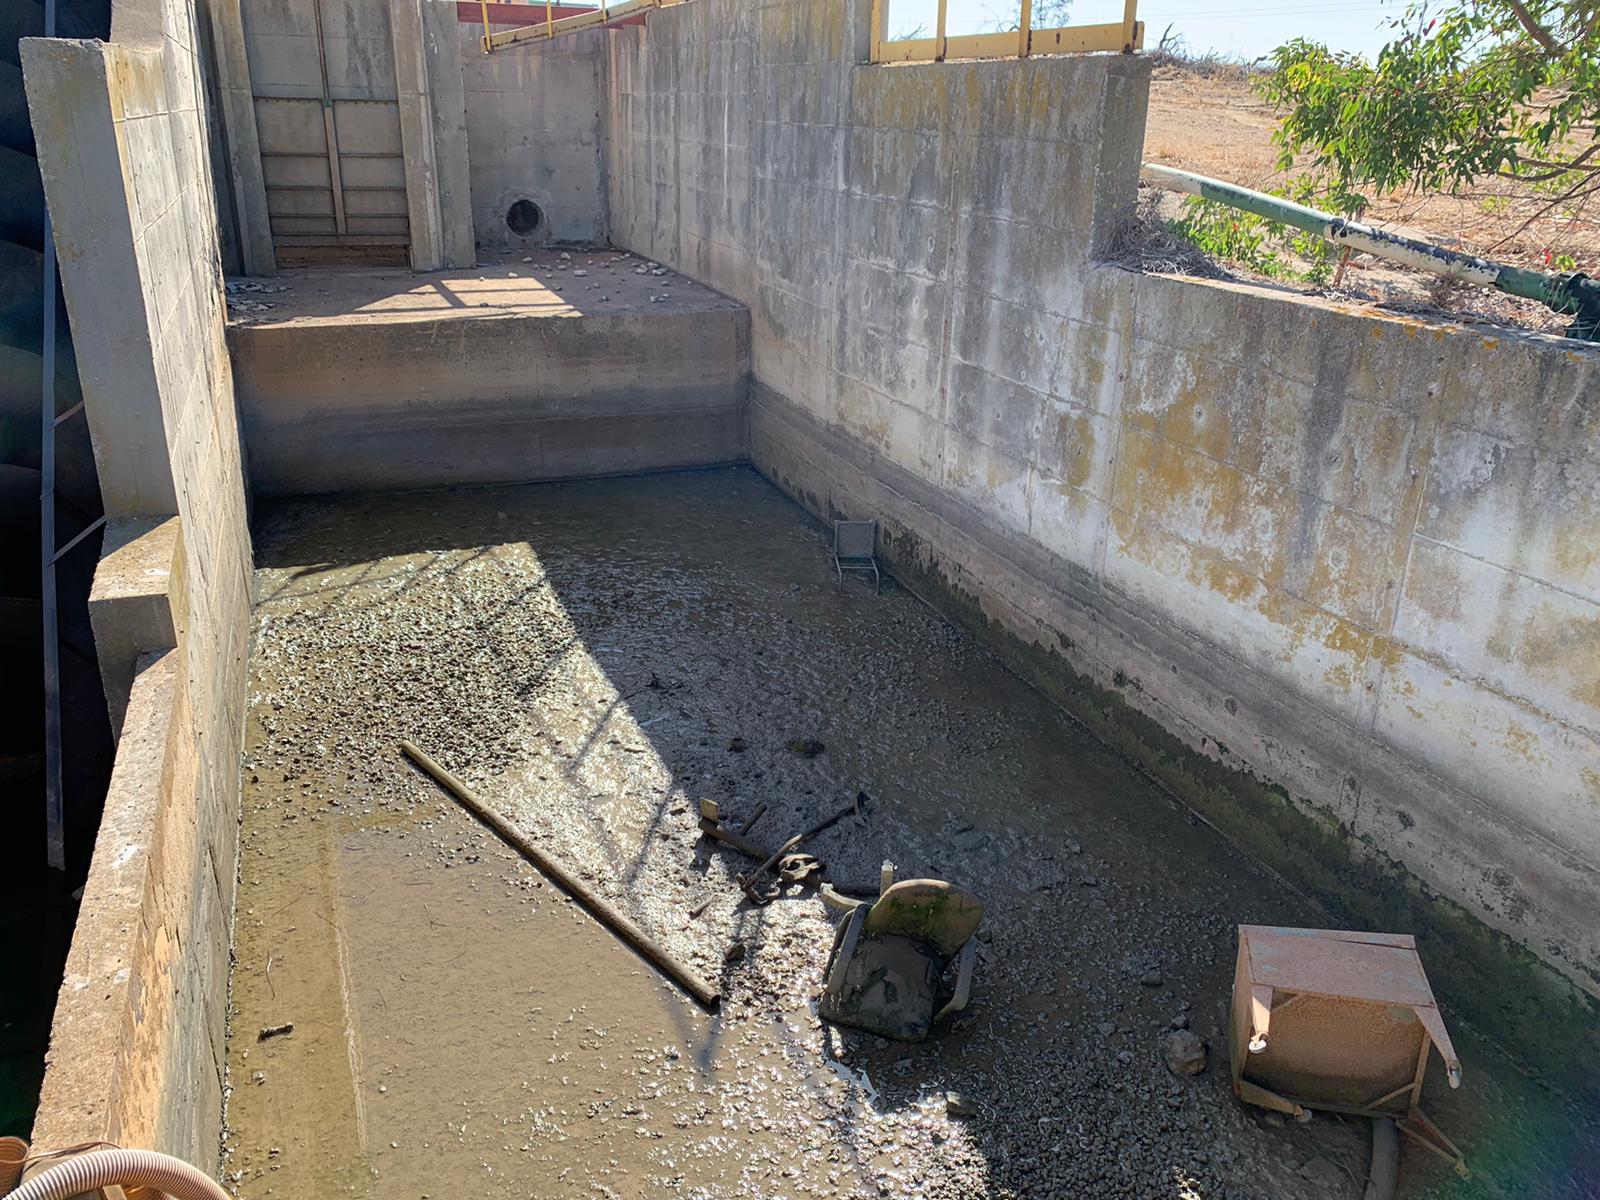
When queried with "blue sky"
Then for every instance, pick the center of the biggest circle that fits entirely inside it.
(1249, 28)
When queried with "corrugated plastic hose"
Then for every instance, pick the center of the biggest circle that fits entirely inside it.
(125, 1168)
(13, 1153)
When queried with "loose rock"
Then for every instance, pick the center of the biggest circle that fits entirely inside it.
(1185, 1052)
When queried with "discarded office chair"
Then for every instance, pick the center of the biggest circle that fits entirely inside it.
(890, 957)
(1337, 1021)
(855, 545)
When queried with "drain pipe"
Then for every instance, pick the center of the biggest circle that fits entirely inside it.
(145, 1170)
(1385, 1170)
(1572, 294)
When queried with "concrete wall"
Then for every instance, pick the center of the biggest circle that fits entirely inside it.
(534, 132)
(345, 406)
(1332, 576)
(136, 1050)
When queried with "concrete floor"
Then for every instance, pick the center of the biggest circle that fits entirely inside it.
(544, 283)
(585, 655)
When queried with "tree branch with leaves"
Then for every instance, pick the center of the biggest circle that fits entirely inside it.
(1463, 90)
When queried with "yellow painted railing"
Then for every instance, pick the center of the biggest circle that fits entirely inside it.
(1123, 36)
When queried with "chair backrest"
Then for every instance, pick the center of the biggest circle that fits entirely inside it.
(855, 539)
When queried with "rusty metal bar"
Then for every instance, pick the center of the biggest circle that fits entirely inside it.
(553, 26)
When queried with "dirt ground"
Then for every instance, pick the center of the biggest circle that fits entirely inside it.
(595, 659)
(1215, 124)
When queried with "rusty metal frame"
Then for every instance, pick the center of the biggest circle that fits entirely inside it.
(1123, 37)
(553, 26)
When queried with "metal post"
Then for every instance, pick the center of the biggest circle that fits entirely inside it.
(939, 34)
(1130, 10)
(485, 6)
(1025, 29)
(549, 19)
(55, 814)
(876, 54)
(330, 128)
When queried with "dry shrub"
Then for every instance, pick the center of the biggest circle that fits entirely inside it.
(1144, 240)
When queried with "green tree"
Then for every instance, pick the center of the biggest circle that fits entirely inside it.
(1463, 89)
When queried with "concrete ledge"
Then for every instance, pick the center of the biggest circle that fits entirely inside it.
(130, 607)
(94, 1079)
(367, 406)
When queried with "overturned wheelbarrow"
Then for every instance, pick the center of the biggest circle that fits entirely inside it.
(1338, 1020)
(887, 972)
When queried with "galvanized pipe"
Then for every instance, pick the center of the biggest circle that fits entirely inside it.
(1573, 294)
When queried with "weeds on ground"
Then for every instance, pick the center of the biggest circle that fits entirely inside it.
(1174, 51)
(1263, 245)
(1145, 240)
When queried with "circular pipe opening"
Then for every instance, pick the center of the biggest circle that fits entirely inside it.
(525, 218)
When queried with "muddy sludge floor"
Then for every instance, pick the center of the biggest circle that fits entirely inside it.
(585, 655)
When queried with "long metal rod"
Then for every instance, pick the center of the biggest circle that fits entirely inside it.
(54, 810)
(1573, 294)
(599, 907)
(72, 545)
(553, 26)
(330, 126)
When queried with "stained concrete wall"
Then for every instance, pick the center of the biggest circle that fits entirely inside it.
(534, 132)
(335, 406)
(135, 1052)
(1332, 576)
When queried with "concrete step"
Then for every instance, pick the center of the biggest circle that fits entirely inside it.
(378, 379)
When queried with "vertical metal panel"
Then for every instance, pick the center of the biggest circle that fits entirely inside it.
(331, 149)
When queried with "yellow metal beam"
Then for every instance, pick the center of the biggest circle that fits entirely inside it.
(555, 28)
(912, 50)
(1024, 28)
(981, 45)
(1083, 39)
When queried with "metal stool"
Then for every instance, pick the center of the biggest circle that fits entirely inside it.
(854, 547)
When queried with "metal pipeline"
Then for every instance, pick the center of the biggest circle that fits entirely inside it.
(1573, 294)
(1385, 1170)
(128, 1169)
